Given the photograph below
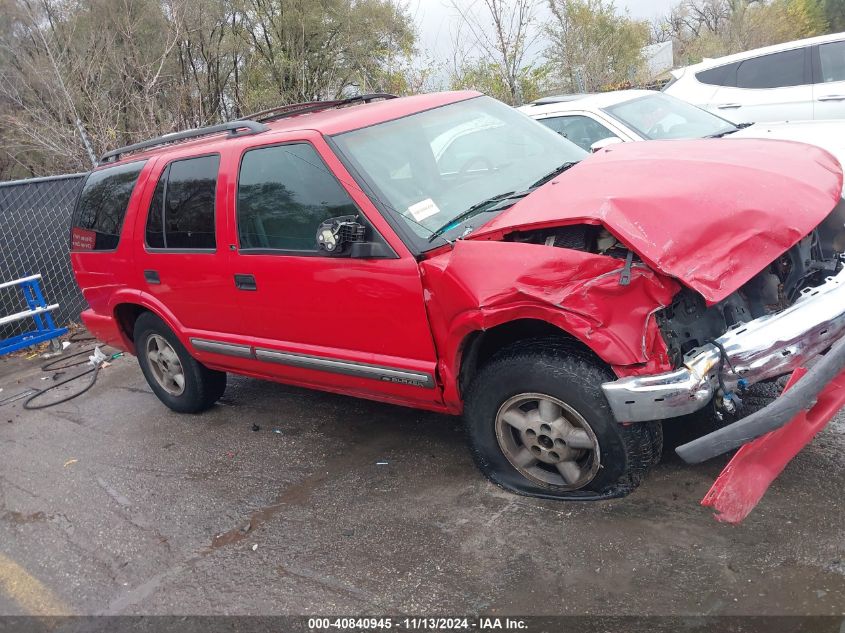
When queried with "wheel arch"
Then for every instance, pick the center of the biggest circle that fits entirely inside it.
(479, 346)
(126, 314)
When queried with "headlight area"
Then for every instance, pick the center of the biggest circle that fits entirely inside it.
(688, 323)
(791, 312)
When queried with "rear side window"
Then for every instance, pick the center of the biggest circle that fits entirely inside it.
(284, 193)
(719, 76)
(101, 207)
(181, 212)
(832, 57)
(778, 70)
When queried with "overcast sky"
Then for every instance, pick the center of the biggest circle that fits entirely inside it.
(434, 17)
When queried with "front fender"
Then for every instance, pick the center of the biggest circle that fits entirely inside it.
(479, 285)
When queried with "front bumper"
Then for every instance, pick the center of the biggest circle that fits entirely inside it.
(768, 347)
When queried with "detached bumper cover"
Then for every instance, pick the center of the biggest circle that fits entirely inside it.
(755, 466)
(771, 346)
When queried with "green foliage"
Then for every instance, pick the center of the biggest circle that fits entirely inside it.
(785, 20)
(303, 50)
(834, 12)
(132, 69)
(712, 28)
(593, 45)
(486, 77)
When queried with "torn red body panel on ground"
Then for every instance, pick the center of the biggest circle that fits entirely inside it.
(753, 468)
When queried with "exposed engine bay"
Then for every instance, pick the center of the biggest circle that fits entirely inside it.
(688, 322)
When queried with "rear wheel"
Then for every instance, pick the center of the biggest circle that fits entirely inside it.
(539, 424)
(180, 381)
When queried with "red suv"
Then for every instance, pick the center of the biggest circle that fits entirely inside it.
(446, 252)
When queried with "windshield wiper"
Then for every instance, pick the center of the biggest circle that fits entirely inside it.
(473, 210)
(490, 202)
(736, 128)
(722, 134)
(555, 172)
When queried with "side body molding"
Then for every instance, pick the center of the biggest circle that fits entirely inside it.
(318, 363)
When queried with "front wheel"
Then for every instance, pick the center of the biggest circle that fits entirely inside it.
(177, 378)
(539, 424)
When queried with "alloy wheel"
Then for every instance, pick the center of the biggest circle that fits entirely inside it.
(548, 441)
(165, 365)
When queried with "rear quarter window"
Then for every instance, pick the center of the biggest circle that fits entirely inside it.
(719, 76)
(101, 207)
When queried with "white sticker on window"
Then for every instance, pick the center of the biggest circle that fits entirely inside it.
(422, 210)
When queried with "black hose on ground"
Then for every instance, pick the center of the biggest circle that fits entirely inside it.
(94, 370)
(62, 363)
(49, 366)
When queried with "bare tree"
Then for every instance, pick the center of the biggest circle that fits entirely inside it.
(501, 33)
(125, 70)
(705, 28)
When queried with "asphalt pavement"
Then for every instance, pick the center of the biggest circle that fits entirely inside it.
(112, 504)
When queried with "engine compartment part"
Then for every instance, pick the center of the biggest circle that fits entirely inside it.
(588, 238)
(689, 322)
(801, 396)
(764, 348)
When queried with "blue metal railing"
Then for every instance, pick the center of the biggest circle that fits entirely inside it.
(37, 309)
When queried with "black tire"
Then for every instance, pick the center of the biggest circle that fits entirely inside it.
(569, 375)
(202, 387)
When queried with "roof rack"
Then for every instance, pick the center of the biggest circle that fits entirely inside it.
(233, 127)
(294, 109)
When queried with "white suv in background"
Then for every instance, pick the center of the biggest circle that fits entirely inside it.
(797, 80)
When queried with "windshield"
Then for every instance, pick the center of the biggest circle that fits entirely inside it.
(434, 166)
(660, 116)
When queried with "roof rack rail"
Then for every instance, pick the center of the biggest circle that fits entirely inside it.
(294, 109)
(233, 127)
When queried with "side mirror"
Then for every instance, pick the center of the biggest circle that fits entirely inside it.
(605, 142)
(334, 234)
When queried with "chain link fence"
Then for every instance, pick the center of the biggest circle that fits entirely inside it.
(34, 227)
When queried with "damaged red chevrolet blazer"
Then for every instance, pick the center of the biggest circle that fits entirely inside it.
(446, 252)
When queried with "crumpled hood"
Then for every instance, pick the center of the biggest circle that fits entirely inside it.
(711, 213)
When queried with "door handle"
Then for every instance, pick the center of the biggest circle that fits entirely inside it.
(152, 277)
(832, 98)
(245, 282)
(729, 106)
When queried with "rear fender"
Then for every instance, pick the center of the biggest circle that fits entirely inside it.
(148, 302)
